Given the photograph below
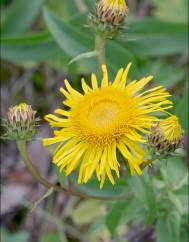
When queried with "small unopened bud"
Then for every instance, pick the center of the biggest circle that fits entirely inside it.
(21, 123)
(109, 17)
(111, 11)
(166, 136)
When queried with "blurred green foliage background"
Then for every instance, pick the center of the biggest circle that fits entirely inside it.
(38, 40)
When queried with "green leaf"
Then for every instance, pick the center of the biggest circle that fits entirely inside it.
(62, 178)
(50, 237)
(176, 202)
(80, 214)
(75, 40)
(177, 10)
(173, 222)
(134, 212)
(164, 74)
(162, 230)
(63, 8)
(144, 192)
(2, 2)
(114, 217)
(97, 226)
(90, 4)
(69, 39)
(184, 229)
(108, 191)
(86, 55)
(150, 37)
(181, 109)
(175, 170)
(20, 15)
(21, 236)
(29, 47)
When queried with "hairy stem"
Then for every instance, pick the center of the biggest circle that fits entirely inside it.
(100, 49)
(33, 170)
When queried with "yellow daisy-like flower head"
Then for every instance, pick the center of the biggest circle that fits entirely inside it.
(112, 11)
(167, 135)
(104, 119)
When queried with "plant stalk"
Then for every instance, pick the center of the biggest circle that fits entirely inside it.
(33, 170)
(100, 49)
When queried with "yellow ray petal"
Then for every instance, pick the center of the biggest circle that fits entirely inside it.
(83, 172)
(103, 160)
(102, 180)
(118, 78)
(67, 155)
(124, 76)
(75, 161)
(136, 167)
(71, 90)
(67, 146)
(94, 163)
(114, 158)
(62, 112)
(65, 93)
(132, 161)
(105, 76)
(50, 141)
(140, 84)
(56, 121)
(85, 87)
(109, 174)
(94, 81)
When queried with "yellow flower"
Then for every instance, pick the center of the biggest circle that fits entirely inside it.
(103, 120)
(166, 136)
(112, 11)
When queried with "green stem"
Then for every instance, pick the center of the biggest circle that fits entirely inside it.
(100, 49)
(33, 170)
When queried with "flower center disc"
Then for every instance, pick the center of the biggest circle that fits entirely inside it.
(99, 119)
(103, 113)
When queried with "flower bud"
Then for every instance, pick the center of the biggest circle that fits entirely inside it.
(166, 135)
(21, 122)
(111, 11)
(109, 17)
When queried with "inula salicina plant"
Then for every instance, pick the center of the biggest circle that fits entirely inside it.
(118, 136)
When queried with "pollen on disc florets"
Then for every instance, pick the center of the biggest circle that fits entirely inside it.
(166, 136)
(100, 120)
(21, 122)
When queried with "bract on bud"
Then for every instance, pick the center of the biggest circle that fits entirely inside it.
(111, 11)
(21, 122)
(109, 17)
(166, 136)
